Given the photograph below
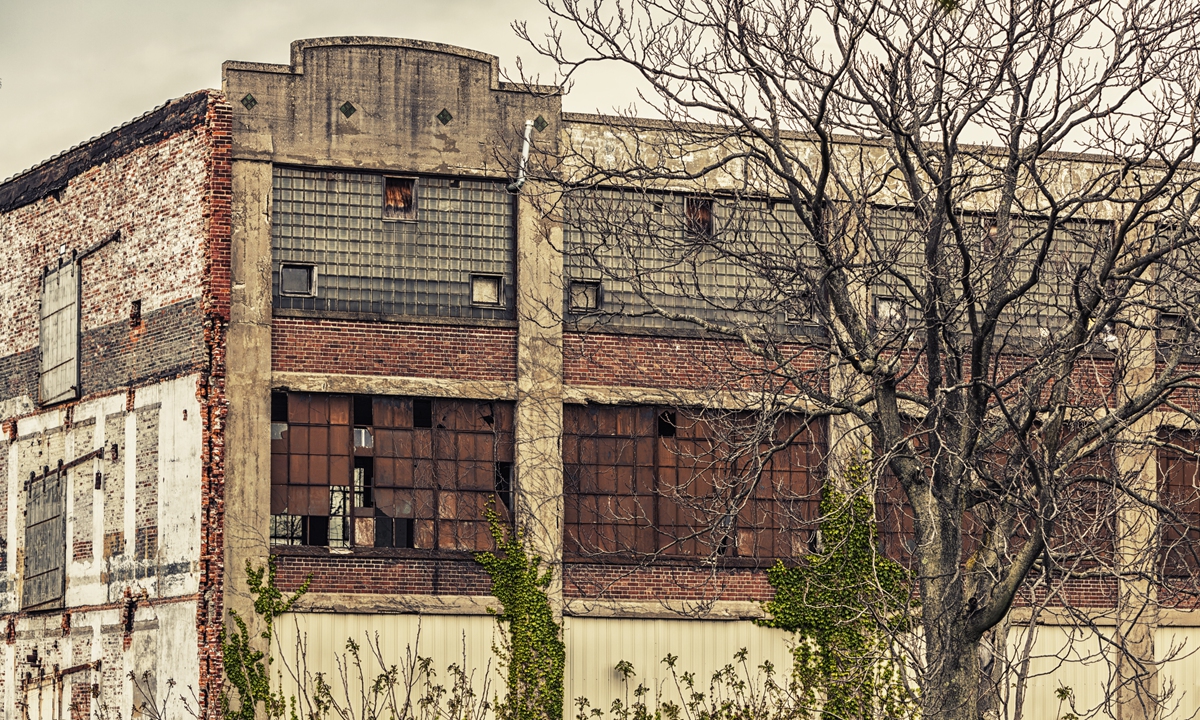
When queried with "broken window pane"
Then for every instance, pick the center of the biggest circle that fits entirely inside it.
(698, 216)
(417, 483)
(298, 280)
(485, 289)
(399, 198)
(651, 482)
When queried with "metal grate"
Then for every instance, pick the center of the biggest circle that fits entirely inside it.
(335, 222)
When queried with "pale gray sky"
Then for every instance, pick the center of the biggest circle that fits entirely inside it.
(72, 69)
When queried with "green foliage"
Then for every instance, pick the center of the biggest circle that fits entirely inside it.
(247, 669)
(843, 604)
(531, 639)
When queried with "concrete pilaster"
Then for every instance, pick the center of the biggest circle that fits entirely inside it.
(539, 413)
(248, 432)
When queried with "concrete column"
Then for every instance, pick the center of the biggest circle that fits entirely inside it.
(1137, 536)
(539, 412)
(248, 385)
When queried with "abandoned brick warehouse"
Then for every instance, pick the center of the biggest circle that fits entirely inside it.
(307, 317)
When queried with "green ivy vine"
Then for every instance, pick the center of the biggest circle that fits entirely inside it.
(843, 603)
(247, 669)
(532, 649)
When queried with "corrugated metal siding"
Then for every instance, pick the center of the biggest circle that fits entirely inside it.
(334, 220)
(1182, 647)
(596, 645)
(441, 637)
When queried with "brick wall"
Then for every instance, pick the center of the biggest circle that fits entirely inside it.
(665, 362)
(150, 188)
(395, 576)
(368, 348)
(631, 582)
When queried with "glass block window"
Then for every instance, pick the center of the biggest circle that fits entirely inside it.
(395, 472)
(897, 246)
(391, 245)
(653, 481)
(729, 259)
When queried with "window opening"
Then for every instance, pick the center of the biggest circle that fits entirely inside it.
(422, 413)
(1169, 326)
(666, 424)
(486, 289)
(698, 216)
(504, 484)
(339, 516)
(363, 406)
(135, 313)
(298, 280)
(889, 313)
(59, 334)
(364, 468)
(585, 295)
(393, 532)
(399, 198)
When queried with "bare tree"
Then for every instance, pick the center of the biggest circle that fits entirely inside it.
(964, 239)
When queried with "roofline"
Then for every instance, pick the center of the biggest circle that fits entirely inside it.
(299, 46)
(52, 175)
(639, 123)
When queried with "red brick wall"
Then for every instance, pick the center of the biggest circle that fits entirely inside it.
(378, 348)
(210, 390)
(631, 582)
(647, 361)
(394, 576)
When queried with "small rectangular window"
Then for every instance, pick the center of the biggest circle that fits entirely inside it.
(364, 470)
(666, 424)
(585, 295)
(486, 289)
(422, 413)
(135, 313)
(698, 216)
(1168, 327)
(279, 407)
(298, 280)
(399, 198)
(889, 312)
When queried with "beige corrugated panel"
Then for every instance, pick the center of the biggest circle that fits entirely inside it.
(1179, 647)
(1062, 658)
(444, 638)
(596, 645)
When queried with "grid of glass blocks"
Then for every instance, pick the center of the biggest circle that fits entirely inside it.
(334, 221)
(639, 251)
(1008, 258)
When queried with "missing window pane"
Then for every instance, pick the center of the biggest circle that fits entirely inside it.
(279, 407)
(698, 216)
(422, 413)
(504, 484)
(485, 289)
(364, 470)
(889, 312)
(393, 532)
(298, 280)
(666, 424)
(399, 198)
(363, 410)
(585, 296)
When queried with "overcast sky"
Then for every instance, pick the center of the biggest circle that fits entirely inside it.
(72, 69)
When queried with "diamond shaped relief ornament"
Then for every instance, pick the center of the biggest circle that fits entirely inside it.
(444, 116)
(348, 109)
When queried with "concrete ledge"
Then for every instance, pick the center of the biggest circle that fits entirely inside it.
(665, 609)
(362, 603)
(625, 395)
(395, 385)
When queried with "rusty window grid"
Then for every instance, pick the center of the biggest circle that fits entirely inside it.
(431, 484)
(59, 334)
(633, 490)
(611, 235)
(1179, 489)
(334, 221)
